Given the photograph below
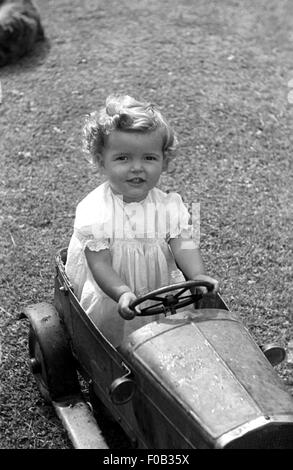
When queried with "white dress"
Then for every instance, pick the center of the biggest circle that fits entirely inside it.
(137, 236)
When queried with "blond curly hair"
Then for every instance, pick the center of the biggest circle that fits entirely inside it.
(124, 113)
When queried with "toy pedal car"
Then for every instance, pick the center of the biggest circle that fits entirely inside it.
(192, 380)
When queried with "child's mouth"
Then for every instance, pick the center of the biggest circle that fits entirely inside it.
(135, 181)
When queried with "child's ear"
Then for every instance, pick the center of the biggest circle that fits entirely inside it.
(165, 163)
(100, 161)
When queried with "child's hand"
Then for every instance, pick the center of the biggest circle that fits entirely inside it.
(123, 306)
(203, 277)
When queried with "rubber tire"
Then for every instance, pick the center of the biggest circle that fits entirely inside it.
(35, 353)
(52, 363)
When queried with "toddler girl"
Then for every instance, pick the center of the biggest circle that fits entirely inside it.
(129, 236)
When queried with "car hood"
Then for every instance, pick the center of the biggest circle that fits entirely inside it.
(208, 362)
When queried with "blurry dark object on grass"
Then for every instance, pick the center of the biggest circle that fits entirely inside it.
(20, 29)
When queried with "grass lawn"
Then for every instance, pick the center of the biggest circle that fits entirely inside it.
(220, 72)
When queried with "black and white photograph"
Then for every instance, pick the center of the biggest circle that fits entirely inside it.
(146, 220)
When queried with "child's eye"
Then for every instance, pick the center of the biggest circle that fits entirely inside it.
(122, 158)
(150, 157)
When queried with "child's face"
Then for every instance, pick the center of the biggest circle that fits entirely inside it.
(133, 163)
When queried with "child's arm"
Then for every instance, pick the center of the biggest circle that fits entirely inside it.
(108, 280)
(190, 262)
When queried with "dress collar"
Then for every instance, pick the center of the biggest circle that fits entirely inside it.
(119, 199)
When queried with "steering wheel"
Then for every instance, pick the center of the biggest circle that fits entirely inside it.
(170, 302)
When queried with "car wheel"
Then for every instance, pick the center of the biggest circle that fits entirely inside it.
(37, 365)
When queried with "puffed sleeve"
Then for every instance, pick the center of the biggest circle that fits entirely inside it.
(91, 225)
(183, 224)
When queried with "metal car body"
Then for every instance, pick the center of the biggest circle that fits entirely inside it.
(193, 380)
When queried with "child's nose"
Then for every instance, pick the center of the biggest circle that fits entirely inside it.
(136, 165)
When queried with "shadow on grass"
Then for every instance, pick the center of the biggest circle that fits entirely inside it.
(31, 60)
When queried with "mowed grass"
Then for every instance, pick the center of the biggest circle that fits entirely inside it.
(220, 72)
